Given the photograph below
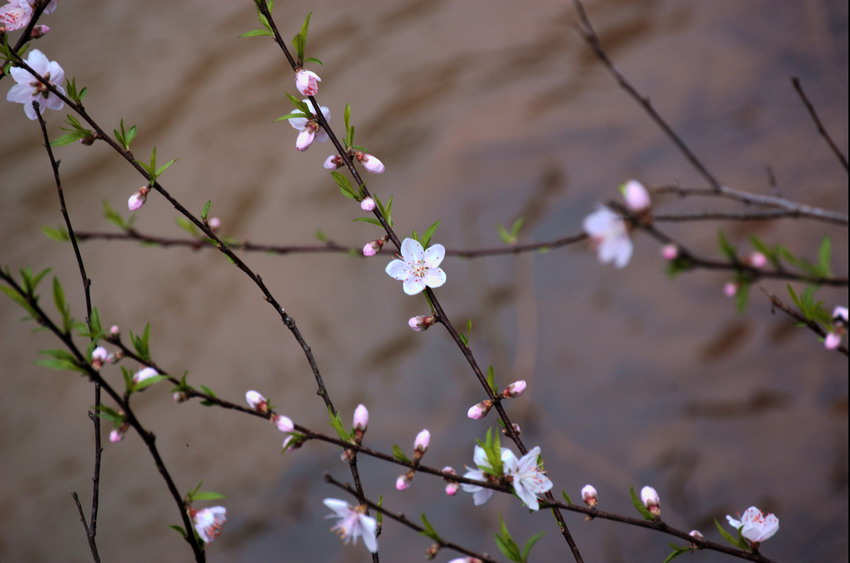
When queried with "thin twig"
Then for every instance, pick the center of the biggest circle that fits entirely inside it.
(818, 123)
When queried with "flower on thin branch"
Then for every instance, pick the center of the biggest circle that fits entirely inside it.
(610, 236)
(353, 523)
(208, 522)
(526, 476)
(588, 495)
(256, 401)
(452, 487)
(479, 410)
(839, 328)
(307, 82)
(15, 15)
(333, 162)
(143, 374)
(483, 473)
(650, 499)
(755, 525)
(309, 128)
(138, 199)
(28, 88)
(370, 162)
(368, 204)
(514, 389)
(636, 196)
(418, 268)
(421, 322)
(283, 423)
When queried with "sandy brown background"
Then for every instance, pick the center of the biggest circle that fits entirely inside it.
(482, 111)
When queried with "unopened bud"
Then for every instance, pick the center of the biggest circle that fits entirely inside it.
(283, 423)
(421, 322)
(480, 410)
(138, 199)
(636, 196)
(452, 487)
(670, 252)
(39, 31)
(651, 501)
(588, 495)
(730, 289)
(758, 260)
(403, 482)
(361, 418)
(214, 224)
(333, 162)
(696, 534)
(515, 389)
(374, 247)
(420, 445)
(256, 401)
(370, 162)
(368, 204)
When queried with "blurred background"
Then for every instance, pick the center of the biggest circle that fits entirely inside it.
(483, 112)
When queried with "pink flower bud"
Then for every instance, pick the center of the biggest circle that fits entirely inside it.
(180, 397)
(670, 252)
(256, 401)
(372, 164)
(114, 330)
(361, 418)
(421, 322)
(143, 374)
(758, 260)
(39, 31)
(138, 199)
(305, 138)
(452, 489)
(588, 495)
(402, 483)
(116, 435)
(730, 289)
(651, 501)
(368, 204)
(696, 534)
(515, 389)
(422, 441)
(372, 248)
(283, 423)
(214, 223)
(636, 196)
(333, 162)
(99, 356)
(480, 410)
(307, 82)
(832, 341)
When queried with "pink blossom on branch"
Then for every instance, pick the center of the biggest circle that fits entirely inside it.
(208, 522)
(28, 88)
(609, 234)
(418, 268)
(308, 127)
(307, 82)
(755, 525)
(353, 523)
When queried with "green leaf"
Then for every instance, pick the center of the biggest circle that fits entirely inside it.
(164, 167)
(69, 138)
(345, 186)
(300, 40)
(429, 531)
(824, 253)
(491, 380)
(207, 495)
(206, 210)
(336, 423)
(255, 33)
(726, 247)
(566, 497)
(349, 130)
(290, 116)
(742, 296)
(178, 529)
(398, 453)
(529, 544)
(313, 60)
(142, 385)
(187, 226)
(429, 232)
(370, 220)
(738, 542)
(61, 304)
(506, 543)
(644, 511)
(56, 234)
(677, 551)
(114, 217)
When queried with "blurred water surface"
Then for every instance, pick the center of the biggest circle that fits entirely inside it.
(483, 112)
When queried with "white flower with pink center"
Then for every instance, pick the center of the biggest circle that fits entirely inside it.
(755, 525)
(208, 522)
(418, 268)
(610, 236)
(307, 82)
(309, 128)
(353, 523)
(28, 89)
(527, 477)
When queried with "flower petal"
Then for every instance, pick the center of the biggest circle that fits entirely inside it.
(399, 270)
(411, 250)
(435, 277)
(414, 285)
(434, 255)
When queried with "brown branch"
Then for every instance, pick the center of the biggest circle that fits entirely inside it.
(818, 123)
